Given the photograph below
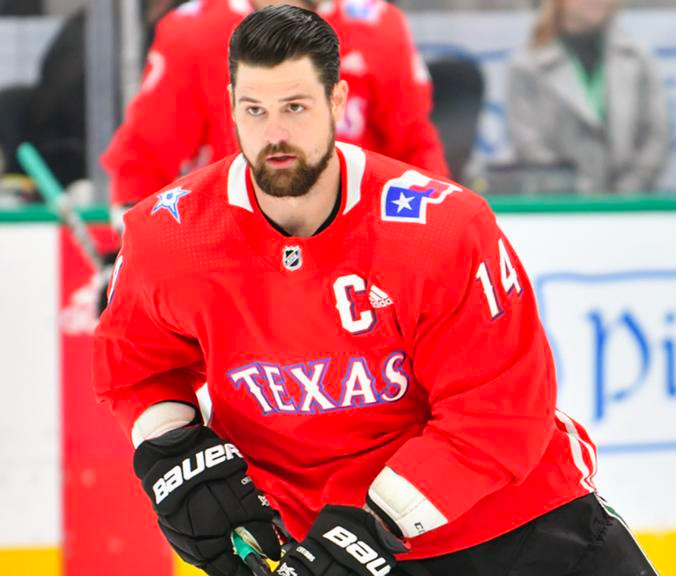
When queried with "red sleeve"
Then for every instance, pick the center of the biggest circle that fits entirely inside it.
(489, 373)
(164, 123)
(403, 99)
(139, 358)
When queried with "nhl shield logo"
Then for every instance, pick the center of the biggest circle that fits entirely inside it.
(292, 257)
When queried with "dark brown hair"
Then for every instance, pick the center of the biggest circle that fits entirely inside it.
(281, 32)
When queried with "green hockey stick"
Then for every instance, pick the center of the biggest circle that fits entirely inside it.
(54, 196)
(259, 565)
(254, 561)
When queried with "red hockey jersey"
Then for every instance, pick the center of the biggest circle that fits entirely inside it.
(404, 335)
(181, 116)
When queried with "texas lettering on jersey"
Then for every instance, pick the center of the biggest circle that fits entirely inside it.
(300, 389)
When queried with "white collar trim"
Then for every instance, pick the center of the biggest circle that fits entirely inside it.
(237, 192)
(355, 164)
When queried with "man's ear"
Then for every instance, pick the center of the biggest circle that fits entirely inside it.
(339, 99)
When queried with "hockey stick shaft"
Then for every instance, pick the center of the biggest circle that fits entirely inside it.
(250, 557)
(53, 193)
(259, 565)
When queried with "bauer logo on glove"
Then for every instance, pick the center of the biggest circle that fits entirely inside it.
(205, 459)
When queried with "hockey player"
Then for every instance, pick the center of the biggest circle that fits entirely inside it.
(376, 366)
(180, 120)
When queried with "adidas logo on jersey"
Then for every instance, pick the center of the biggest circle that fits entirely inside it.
(378, 298)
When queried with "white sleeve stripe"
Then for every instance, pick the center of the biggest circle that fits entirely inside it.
(576, 446)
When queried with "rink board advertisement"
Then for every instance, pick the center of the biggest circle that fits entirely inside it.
(30, 389)
(606, 288)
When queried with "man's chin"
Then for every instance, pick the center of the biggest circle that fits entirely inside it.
(280, 183)
(281, 189)
(282, 174)
(280, 192)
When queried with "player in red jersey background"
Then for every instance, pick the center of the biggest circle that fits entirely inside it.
(376, 366)
(180, 118)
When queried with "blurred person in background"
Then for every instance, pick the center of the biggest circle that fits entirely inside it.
(21, 7)
(50, 112)
(458, 99)
(583, 93)
(180, 120)
(56, 121)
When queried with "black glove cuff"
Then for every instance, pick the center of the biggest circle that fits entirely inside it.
(171, 465)
(174, 443)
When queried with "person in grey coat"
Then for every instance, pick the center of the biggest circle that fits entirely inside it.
(583, 93)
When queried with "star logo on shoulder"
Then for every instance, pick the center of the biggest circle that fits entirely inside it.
(406, 198)
(168, 200)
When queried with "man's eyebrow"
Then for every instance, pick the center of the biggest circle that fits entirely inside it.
(299, 96)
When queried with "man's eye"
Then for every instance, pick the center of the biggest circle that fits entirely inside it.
(254, 111)
(295, 107)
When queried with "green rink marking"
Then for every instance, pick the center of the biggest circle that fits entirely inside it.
(501, 205)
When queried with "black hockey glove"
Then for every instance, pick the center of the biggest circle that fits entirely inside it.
(200, 490)
(342, 541)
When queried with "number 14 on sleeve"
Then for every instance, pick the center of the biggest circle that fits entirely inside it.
(508, 278)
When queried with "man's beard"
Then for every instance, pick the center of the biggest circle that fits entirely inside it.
(296, 181)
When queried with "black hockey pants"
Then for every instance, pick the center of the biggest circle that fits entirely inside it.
(582, 538)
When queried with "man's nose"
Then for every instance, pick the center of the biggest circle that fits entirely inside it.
(275, 132)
